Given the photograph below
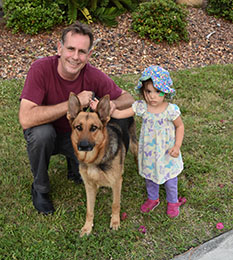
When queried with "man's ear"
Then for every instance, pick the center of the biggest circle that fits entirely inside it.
(89, 54)
(59, 47)
(103, 109)
(74, 107)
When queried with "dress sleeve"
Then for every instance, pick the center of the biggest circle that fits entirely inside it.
(173, 112)
(139, 107)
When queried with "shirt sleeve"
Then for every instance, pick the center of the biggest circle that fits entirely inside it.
(34, 86)
(139, 107)
(173, 112)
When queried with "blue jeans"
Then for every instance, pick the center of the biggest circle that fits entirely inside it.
(171, 187)
(42, 143)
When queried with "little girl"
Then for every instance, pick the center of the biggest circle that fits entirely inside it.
(161, 137)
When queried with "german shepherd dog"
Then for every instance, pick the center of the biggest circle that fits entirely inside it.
(100, 145)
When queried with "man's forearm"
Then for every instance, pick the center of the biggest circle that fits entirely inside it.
(38, 115)
(125, 100)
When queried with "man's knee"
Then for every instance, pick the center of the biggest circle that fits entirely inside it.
(40, 135)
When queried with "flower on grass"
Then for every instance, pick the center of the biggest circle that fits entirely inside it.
(123, 215)
(219, 225)
(142, 229)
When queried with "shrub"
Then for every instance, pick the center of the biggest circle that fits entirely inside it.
(105, 11)
(221, 8)
(161, 20)
(32, 16)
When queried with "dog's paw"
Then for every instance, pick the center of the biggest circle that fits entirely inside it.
(115, 223)
(86, 230)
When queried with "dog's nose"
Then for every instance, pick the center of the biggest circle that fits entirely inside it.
(85, 145)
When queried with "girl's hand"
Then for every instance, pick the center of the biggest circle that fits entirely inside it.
(174, 151)
(94, 103)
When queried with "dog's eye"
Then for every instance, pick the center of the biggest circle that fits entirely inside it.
(93, 128)
(79, 127)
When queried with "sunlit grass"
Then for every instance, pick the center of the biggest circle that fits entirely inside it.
(205, 98)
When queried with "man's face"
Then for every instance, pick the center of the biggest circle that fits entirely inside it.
(74, 54)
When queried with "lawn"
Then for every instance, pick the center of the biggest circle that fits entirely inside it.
(204, 96)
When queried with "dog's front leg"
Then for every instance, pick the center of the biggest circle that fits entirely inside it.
(91, 190)
(116, 189)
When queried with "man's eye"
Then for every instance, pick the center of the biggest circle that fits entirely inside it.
(79, 127)
(93, 128)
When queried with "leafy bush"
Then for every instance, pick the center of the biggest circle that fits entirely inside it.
(105, 11)
(32, 16)
(161, 20)
(221, 8)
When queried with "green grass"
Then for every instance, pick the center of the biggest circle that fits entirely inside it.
(205, 98)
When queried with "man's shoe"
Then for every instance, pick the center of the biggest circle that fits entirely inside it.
(73, 171)
(42, 202)
(74, 177)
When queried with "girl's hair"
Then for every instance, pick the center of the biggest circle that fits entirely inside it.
(78, 28)
(144, 84)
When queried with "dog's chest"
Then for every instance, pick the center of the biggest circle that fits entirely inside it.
(94, 174)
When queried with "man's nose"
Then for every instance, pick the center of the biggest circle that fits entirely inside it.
(76, 55)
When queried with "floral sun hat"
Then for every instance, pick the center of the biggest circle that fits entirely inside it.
(161, 80)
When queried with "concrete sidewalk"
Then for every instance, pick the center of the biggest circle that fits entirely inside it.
(219, 248)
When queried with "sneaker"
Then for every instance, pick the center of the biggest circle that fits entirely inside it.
(173, 208)
(149, 205)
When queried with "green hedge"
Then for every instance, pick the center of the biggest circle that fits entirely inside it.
(161, 20)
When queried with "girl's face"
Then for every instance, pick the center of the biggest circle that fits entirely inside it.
(153, 96)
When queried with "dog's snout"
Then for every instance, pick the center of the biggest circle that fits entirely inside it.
(85, 145)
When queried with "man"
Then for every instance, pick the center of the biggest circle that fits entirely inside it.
(44, 104)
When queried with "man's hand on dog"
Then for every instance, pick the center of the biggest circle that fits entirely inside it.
(85, 98)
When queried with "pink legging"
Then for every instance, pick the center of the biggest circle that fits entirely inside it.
(171, 187)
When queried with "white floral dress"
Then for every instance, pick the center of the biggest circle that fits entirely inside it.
(157, 137)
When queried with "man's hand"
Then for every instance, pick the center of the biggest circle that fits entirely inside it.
(85, 98)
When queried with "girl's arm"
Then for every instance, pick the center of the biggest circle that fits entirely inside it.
(175, 150)
(116, 112)
(123, 113)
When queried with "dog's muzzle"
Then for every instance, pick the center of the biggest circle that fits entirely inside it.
(85, 146)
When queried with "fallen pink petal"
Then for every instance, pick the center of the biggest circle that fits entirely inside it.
(219, 226)
(182, 200)
(124, 216)
(142, 229)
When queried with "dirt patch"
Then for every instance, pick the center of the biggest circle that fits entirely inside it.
(121, 51)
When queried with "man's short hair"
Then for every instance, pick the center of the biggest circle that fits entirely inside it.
(78, 28)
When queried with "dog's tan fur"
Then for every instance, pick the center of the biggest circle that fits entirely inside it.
(100, 165)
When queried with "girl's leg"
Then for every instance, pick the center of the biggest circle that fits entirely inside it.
(173, 204)
(152, 189)
(171, 187)
(153, 197)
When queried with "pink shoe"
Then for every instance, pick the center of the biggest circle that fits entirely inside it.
(173, 208)
(149, 205)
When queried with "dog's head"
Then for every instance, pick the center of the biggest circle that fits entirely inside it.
(89, 133)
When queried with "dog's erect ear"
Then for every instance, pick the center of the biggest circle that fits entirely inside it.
(74, 107)
(103, 109)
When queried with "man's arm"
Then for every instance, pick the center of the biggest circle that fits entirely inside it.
(125, 100)
(30, 114)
